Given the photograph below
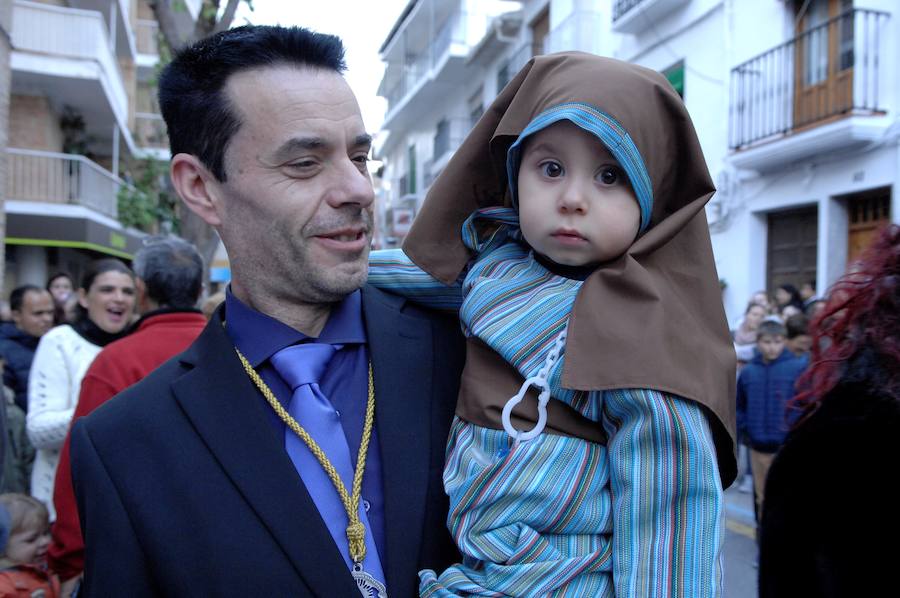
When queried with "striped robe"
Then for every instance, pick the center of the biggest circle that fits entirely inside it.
(561, 516)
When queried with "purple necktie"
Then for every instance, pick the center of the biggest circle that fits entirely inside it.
(301, 367)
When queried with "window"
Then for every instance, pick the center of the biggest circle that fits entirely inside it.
(411, 176)
(675, 75)
(441, 139)
(503, 76)
(476, 106)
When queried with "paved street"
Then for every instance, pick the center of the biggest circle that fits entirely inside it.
(740, 545)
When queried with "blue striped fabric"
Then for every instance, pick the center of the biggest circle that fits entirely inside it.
(538, 519)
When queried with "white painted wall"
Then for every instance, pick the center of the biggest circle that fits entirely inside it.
(713, 37)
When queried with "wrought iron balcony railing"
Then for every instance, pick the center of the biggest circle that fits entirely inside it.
(832, 70)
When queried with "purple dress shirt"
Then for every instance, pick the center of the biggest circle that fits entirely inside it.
(345, 383)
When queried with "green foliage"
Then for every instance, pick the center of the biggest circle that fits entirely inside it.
(73, 128)
(147, 204)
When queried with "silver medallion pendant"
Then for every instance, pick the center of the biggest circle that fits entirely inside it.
(368, 585)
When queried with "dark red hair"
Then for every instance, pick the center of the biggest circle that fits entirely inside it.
(862, 312)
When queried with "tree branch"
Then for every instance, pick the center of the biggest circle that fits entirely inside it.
(206, 19)
(162, 10)
(227, 16)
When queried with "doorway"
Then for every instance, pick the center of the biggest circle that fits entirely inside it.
(867, 213)
(793, 246)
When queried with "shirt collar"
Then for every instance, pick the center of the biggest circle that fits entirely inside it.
(259, 336)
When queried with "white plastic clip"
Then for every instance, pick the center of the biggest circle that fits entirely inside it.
(541, 380)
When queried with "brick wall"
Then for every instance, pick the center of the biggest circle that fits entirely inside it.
(33, 124)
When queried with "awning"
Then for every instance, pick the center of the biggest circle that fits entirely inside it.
(66, 231)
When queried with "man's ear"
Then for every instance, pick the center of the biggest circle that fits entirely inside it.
(197, 187)
(141, 287)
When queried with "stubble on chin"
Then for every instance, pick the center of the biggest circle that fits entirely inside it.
(330, 284)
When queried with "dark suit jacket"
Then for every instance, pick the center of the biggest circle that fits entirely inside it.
(184, 489)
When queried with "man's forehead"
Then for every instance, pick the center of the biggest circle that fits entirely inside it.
(284, 101)
(256, 89)
(35, 295)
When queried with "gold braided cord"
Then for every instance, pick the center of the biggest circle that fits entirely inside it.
(356, 531)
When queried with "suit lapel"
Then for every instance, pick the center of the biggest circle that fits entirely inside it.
(225, 409)
(401, 349)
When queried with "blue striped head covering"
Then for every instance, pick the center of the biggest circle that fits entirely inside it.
(605, 128)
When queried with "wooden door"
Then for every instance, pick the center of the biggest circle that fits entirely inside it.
(823, 61)
(867, 214)
(793, 247)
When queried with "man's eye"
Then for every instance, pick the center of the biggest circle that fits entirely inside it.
(302, 164)
(552, 169)
(363, 159)
(609, 175)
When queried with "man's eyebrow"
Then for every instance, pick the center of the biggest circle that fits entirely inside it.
(297, 144)
(289, 148)
(362, 140)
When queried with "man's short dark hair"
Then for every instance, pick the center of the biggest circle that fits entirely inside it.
(172, 271)
(770, 328)
(192, 87)
(17, 297)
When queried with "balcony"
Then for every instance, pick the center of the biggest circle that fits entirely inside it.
(502, 30)
(116, 13)
(66, 55)
(147, 31)
(422, 69)
(49, 177)
(633, 16)
(449, 136)
(150, 131)
(815, 93)
(513, 64)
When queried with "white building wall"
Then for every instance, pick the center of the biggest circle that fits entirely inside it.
(712, 37)
(820, 180)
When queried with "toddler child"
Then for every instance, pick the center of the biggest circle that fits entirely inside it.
(23, 564)
(585, 269)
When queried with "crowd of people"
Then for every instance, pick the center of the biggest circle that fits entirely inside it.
(535, 396)
(772, 342)
(817, 416)
(61, 363)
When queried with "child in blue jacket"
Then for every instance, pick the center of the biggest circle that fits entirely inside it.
(764, 387)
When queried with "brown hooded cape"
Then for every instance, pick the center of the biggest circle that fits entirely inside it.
(652, 318)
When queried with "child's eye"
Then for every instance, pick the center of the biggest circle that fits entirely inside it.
(552, 169)
(608, 175)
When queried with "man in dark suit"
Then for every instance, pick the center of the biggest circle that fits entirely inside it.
(200, 480)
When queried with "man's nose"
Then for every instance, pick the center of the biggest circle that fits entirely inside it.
(352, 186)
